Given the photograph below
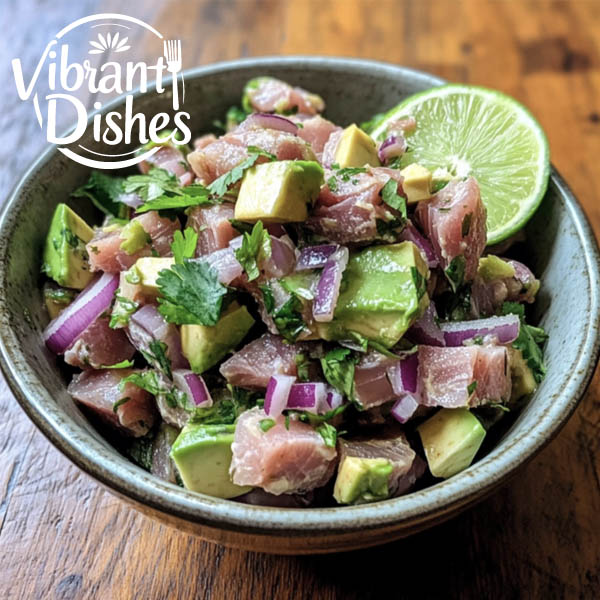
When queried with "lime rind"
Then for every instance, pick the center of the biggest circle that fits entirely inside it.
(471, 130)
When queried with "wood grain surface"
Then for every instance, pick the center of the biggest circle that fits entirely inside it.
(62, 536)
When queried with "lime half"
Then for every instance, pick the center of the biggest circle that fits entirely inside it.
(470, 130)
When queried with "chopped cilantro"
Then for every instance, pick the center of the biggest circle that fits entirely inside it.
(288, 320)
(124, 364)
(456, 272)
(346, 173)
(191, 294)
(141, 450)
(184, 245)
(122, 310)
(104, 191)
(255, 248)
(471, 387)
(328, 433)
(439, 185)
(419, 281)
(240, 226)
(266, 424)
(154, 384)
(157, 355)
(268, 298)
(120, 402)
(302, 365)
(332, 184)
(390, 196)
(338, 367)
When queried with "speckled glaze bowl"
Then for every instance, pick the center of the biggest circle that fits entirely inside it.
(562, 251)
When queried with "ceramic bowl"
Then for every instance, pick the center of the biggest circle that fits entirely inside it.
(562, 251)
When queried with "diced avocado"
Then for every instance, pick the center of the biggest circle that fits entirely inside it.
(361, 480)
(65, 256)
(523, 381)
(356, 149)
(492, 268)
(134, 237)
(279, 191)
(451, 439)
(146, 270)
(57, 299)
(416, 183)
(383, 292)
(202, 454)
(205, 346)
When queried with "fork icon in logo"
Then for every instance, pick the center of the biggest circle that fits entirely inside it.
(172, 52)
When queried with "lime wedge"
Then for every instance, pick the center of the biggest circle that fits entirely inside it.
(470, 130)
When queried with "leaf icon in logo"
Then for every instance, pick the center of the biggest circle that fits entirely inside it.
(110, 42)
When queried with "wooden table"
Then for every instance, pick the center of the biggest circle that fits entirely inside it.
(62, 536)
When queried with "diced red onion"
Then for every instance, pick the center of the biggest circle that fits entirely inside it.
(328, 288)
(505, 329)
(87, 307)
(426, 330)
(405, 408)
(283, 257)
(278, 391)
(334, 399)
(225, 263)
(131, 200)
(404, 375)
(311, 397)
(411, 234)
(194, 386)
(392, 147)
(269, 121)
(522, 272)
(315, 257)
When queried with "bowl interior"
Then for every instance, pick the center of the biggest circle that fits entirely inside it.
(561, 250)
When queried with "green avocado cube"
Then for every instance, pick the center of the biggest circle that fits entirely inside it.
(492, 268)
(522, 379)
(65, 256)
(204, 346)
(361, 480)
(383, 292)
(147, 269)
(279, 191)
(202, 455)
(356, 149)
(451, 439)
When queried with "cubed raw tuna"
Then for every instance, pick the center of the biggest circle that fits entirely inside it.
(213, 227)
(454, 221)
(463, 376)
(170, 159)
(372, 386)
(274, 95)
(253, 365)
(105, 250)
(280, 460)
(316, 131)
(99, 346)
(408, 467)
(228, 151)
(351, 209)
(100, 391)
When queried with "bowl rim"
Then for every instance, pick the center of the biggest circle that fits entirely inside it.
(131, 482)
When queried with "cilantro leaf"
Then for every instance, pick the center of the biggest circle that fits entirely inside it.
(471, 387)
(338, 367)
(240, 226)
(266, 424)
(302, 365)
(227, 407)
(529, 341)
(140, 451)
(157, 356)
(268, 298)
(104, 191)
(328, 433)
(191, 294)
(187, 197)
(184, 245)
(120, 402)
(288, 319)
(439, 185)
(156, 385)
(152, 184)
(255, 248)
(455, 272)
(389, 193)
(220, 186)
(122, 310)
(124, 364)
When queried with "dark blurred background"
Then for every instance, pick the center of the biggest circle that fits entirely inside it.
(62, 536)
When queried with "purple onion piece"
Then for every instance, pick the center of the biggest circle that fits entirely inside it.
(411, 234)
(283, 257)
(505, 329)
(311, 397)
(426, 330)
(269, 121)
(131, 200)
(76, 318)
(334, 399)
(194, 386)
(278, 391)
(405, 407)
(315, 257)
(392, 147)
(403, 375)
(328, 288)
(225, 263)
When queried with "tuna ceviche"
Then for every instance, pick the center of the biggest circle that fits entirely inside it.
(285, 315)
